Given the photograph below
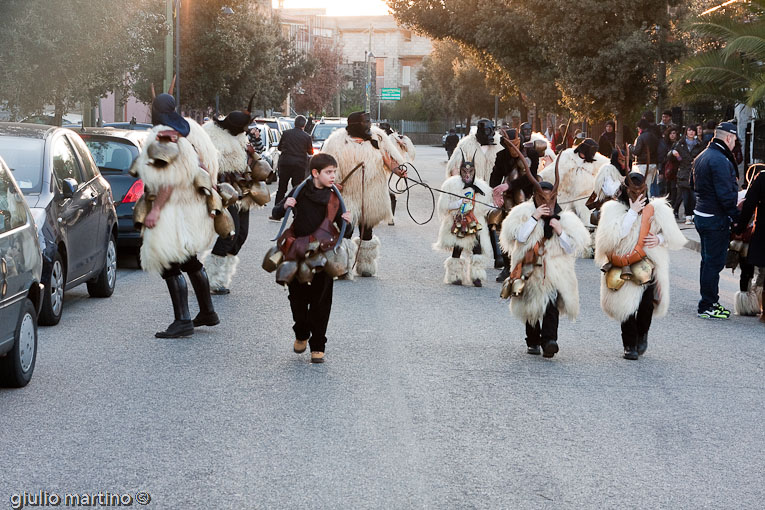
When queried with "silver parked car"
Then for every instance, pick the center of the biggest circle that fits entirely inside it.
(20, 288)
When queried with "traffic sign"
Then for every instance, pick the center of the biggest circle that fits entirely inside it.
(390, 94)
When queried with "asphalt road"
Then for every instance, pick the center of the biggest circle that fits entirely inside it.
(427, 398)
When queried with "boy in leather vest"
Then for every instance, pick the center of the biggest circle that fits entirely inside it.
(311, 302)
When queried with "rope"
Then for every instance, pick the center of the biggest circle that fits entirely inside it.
(397, 189)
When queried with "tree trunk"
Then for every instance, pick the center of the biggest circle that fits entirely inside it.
(58, 114)
(619, 130)
(523, 109)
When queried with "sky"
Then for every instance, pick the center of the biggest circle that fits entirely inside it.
(340, 7)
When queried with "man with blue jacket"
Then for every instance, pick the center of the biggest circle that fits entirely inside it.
(714, 181)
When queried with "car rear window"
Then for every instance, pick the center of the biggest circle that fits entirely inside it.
(24, 156)
(322, 131)
(111, 155)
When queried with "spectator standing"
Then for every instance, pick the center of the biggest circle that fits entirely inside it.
(671, 164)
(558, 143)
(708, 133)
(666, 121)
(296, 148)
(645, 149)
(713, 178)
(256, 140)
(451, 143)
(607, 141)
(753, 206)
(686, 152)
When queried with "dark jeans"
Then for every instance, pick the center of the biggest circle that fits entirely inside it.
(311, 305)
(232, 245)
(537, 334)
(674, 196)
(190, 265)
(286, 173)
(715, 238)
(688, 199)
(639, 323)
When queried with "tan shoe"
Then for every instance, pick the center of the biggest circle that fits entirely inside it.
(299, 346)
(317, 357)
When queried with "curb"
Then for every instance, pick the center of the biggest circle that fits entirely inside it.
(693, 245)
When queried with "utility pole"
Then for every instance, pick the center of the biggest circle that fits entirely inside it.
(168, 45)
(178, 55)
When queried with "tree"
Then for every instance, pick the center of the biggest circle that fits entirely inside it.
(62, 53)
(731, 67)
(545, 49)
(320, 90)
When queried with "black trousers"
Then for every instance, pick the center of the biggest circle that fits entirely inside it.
(364, 232)
(190, 265)
(311, 305)
(232, 245)
(457, 251)
(639, 323)
(537, 334)
(747, 273)
(296, 174)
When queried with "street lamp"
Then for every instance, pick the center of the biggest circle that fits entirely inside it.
(369, 56)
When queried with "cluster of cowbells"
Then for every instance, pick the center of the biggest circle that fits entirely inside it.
(639, 273)
(250, 185)
(464, 226)
(737, 251)
(334, 262)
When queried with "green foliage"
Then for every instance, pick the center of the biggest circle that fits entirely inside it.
(62, 53)
(732, 67)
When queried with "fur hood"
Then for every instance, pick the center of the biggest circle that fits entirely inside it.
(232, 153)
(620, 304)
(484, 163)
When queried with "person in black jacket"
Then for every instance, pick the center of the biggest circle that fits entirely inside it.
(451, 143)
(685, 152)
(753, 205)
(607, 141)
(713, 178)
(311, 303)
(296, 147)
(646, 148)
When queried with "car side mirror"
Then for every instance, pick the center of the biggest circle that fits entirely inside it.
(69, 187)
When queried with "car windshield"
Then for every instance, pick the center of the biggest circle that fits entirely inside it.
(322, 131)
(111, 155)
(24, 156)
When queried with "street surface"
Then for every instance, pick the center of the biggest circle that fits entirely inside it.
(427, 399)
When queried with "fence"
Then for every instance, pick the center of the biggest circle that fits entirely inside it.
(420, 132)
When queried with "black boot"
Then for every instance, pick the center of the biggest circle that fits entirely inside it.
(630, 349)
(206, 315)
(392, 207)
(642, 344)
(505, 273)
(499, 261)
(179, 294)
(549, 348)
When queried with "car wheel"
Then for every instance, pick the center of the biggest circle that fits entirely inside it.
(17, 366)
(53, 297)
(103, 286)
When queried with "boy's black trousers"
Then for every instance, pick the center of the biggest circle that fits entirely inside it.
(311, 305)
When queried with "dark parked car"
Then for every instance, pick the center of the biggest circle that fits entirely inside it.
(20, 288)
(114, 151)
(73, 209)
(325, 127)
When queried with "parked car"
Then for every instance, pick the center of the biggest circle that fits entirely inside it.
(73, 209)
(270, 137)
(20, 287)
(114, 151)
(324, 128)
(138, 126)
(49, 120)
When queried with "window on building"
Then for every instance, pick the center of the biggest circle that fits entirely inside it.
(380, 67)
(407, 35)
(406, 76)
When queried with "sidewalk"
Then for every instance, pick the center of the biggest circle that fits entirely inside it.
(689, 231)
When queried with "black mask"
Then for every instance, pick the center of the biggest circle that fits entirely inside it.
(525, 132)
(485, 132)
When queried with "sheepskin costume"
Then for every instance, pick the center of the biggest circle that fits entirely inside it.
(621, 304)
(549, 153)
(577, 180)
(220, 270)
(749, 303)
(555, 279)
(447, 241)
(375, 197)
(607, 172)
(184, 228)
(484, 163)
(405, 146)
(206, 149)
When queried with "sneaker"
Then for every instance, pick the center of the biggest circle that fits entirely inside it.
(689, 220)
(721, 309)
(713, 313)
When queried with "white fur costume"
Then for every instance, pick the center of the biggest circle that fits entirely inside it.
(206, 149)
(375, 198)
(184, 227)
(549, 153)
(484, 163)
(557, 276)
(405, 146)
(622, 303)
(232, 158)
(577, 179)
(460, 269)
(606, 173)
